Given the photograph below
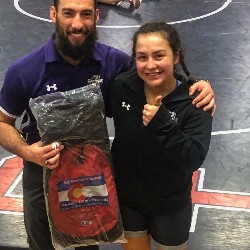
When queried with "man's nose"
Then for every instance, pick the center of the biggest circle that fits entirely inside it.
(77, 22)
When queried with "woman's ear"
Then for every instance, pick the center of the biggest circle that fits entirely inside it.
(176, 58)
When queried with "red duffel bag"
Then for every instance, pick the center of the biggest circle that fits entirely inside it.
(82, 196)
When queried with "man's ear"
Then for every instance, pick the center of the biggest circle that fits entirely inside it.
(52, 13)
(97, 15)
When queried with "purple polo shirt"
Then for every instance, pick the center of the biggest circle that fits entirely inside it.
(44, 71)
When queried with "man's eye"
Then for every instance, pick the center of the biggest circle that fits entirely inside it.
(67, 13)
(87, 14)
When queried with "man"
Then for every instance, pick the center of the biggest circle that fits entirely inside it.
(72, 58)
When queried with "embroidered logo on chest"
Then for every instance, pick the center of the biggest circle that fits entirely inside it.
(126, 105)
(51, 87)
(95, 79)
(173, 116)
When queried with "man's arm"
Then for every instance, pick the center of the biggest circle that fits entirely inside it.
(12, 141)
(206, 98)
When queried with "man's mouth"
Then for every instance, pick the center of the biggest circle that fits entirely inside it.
(77, 35)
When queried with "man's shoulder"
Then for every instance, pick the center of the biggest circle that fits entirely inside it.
(109, 50)
(113, 59)
(30, 59)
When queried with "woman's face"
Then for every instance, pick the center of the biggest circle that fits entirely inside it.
(155, 59)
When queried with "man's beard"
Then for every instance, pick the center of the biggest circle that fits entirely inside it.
(76, 52)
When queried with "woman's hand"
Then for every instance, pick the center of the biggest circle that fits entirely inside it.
(149, 111)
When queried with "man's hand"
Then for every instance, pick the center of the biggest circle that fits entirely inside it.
(149, 111)
(46, 156)
(206, 98)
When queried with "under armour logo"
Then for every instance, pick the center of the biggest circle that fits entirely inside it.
(124, 105)
(49, 87)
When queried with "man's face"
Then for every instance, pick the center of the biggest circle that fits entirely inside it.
(75, 23)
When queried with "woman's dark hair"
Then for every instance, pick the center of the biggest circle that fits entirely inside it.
(56, 2)
(168, 33)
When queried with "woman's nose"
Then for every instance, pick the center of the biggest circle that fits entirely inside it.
(151, 64)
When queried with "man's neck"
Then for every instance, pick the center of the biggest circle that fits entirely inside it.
(71, 60)
(67, 58)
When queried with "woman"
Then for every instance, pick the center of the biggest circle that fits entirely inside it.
(160, 140)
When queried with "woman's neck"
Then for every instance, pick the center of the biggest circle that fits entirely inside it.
(151, 92)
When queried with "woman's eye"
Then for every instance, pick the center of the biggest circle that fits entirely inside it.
(159, 57)
(141, 58)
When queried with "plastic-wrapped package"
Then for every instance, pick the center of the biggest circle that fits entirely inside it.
(81, 199)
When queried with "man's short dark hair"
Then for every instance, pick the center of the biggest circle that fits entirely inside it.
(56, 2)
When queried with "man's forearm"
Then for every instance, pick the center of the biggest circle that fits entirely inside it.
(12, 141)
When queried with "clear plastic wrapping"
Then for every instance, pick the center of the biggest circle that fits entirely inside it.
(81, 199)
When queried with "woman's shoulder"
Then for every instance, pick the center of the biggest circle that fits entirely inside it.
(128, 75)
